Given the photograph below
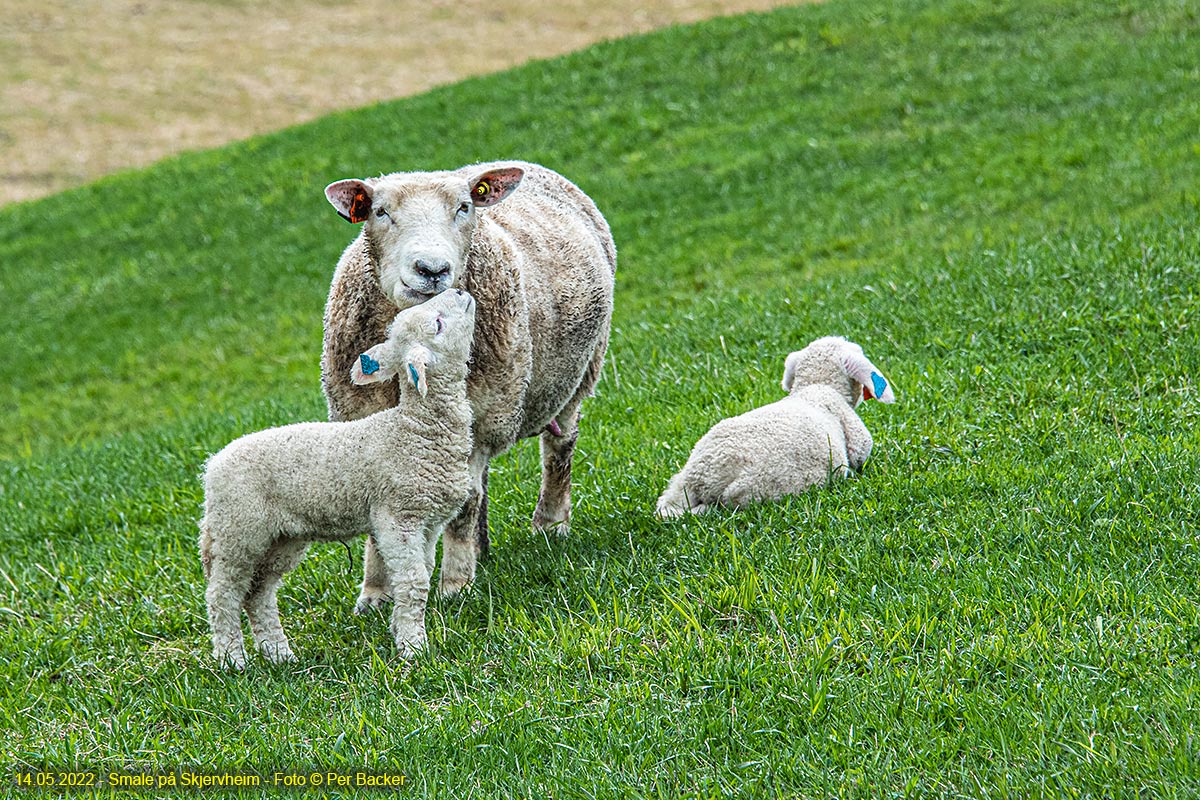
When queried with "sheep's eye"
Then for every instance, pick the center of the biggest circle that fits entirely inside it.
(439, 326)
(464, 209)
(381, 212)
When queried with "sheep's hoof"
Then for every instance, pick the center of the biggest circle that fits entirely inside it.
(449, 586)
(408, 648)
(370, 598)
(557, 527)
(278, 653)
(670, 512)
(231, 660)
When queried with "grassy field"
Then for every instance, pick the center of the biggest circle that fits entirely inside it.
(999, 201)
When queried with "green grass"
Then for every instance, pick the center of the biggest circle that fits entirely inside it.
(997, 200)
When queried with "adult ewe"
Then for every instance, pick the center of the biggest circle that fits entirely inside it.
(539, 260)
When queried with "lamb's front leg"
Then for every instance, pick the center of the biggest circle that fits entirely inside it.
(460, 541)
(402, 545)
(858, 440)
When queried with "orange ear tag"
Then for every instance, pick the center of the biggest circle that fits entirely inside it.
(359, 207)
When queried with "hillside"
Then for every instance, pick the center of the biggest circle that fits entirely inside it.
(998, 201)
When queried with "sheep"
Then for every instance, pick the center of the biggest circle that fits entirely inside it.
(810, 437)
(540, 261)
(401, 473)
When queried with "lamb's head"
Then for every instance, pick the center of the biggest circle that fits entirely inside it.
(431, 338)
(834, 361)
(419, 224)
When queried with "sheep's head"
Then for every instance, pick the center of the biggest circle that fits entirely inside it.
(834, 361)
(433, 336)
(419, 224)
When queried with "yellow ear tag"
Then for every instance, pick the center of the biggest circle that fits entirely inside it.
(483, 188)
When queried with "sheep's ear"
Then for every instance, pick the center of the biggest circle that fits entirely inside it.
(789, 371)
(875, 386)
(415, 362)
(351, 198)
(372, 367)
(494, 185)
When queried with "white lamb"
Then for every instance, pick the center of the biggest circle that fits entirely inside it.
(807, 438)
(402, 474)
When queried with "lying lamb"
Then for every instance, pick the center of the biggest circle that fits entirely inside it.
(807, 438)
(401, 473)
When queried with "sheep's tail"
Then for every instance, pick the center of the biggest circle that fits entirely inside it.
(205, 548)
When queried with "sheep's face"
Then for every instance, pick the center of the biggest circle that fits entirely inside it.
(841, 364)
(419, 226)
(432, 336)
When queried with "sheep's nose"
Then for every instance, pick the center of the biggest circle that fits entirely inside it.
(431, 269)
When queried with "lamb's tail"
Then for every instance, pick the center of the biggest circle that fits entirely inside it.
(205, 548)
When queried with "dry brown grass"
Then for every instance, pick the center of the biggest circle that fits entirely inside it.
(94, 86)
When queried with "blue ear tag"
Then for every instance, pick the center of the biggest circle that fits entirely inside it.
(412, 373)
(369, 365)
(879, 384)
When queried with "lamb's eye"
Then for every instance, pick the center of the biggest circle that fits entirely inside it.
(439, 326)
(381, 212)
(464, 209)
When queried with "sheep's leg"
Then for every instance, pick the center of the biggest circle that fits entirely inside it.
(459, 541)
(483, 542)
(680, 497)
(460, 552)
(375, 584)
(404, 545)
(553, 511)
(228, 583)
(262, 605)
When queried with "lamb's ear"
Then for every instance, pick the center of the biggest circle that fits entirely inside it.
(351, 198)
(372, 367)
(875, 386)
(415, 362)
(789, 371)
(494, 185)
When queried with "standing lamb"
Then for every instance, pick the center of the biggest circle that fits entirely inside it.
(401, 473)
(807, 438)
(540, 265)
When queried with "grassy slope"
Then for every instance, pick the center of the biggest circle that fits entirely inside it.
(997, 200)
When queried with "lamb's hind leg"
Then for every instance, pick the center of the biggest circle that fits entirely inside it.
(228, 584)
(375, 586)
(262, 604)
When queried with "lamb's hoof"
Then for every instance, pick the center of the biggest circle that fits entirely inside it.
(278, 653)
(670, 512)
(409, 647)
(371, 598)
(230, 660)
(451, 585)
